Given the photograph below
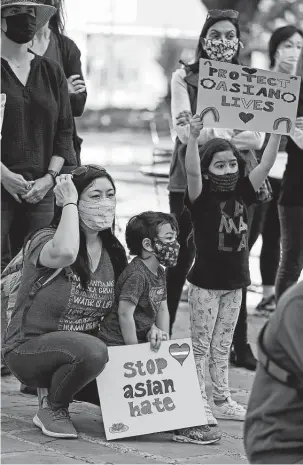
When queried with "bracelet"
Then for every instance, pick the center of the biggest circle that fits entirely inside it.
(70, 203)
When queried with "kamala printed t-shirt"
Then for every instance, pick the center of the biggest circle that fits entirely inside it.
(138, 285)
(221, 237)
(62, 305)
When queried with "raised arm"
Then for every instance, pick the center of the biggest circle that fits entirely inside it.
(192, 160)
(257, 175)
(63, 249)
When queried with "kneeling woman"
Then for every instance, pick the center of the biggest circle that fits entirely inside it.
(52, 341)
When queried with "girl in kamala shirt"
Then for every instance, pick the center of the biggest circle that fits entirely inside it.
(218, 196)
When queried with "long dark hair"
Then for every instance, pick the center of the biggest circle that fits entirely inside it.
(110, 242)
(215, 145)
(57, 21)
(278, 36)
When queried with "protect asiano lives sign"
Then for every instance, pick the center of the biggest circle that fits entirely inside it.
(144, 392)
(249, 99)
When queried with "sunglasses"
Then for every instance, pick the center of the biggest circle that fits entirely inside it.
(230, 14)
(83, 170)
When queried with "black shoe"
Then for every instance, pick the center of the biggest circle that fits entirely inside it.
(266, 306)
(243, 359)
(5, 371)
(28, 390)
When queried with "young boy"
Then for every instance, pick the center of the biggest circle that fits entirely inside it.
(140, 312)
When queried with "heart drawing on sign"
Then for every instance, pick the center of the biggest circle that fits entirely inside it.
(250, 70)
(245, 117)
(180, 353)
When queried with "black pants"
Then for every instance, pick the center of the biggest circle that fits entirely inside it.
(176, 276)
(291, 265)
(262, 219)
(18, 220)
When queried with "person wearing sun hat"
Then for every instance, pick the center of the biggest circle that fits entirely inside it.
(37, 125)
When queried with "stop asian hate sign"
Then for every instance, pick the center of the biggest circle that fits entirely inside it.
(144, 392)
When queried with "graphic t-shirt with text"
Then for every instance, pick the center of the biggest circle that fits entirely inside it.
(221, 237)
(138, 285)
(63, 304)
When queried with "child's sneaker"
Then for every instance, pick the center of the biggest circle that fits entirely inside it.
(54, 423)
(198, 435)
(230, 410)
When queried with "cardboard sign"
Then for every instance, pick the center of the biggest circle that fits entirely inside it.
(249, 99)
(144, 392)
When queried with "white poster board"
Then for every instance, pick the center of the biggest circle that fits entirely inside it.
(249, 99)
(144, 392)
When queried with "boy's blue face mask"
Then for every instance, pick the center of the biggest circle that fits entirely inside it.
(166, 252)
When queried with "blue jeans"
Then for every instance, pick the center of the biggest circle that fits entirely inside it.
(20, 219)
(65, 362)
(291, 265)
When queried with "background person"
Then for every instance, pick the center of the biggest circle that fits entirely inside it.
(52, 341)
(284, 50)
(37, 126)
(51, 42)
(273, 425)
(290, 205)
(219, 40)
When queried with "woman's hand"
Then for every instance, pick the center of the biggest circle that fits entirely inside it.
(299, 122)
(155, 336)
(39, 189)
(75, 85)
(65, 190)
(196, 124)
(15, 184)
(183, 118)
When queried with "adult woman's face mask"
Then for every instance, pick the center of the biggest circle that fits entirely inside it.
(19, 23)
(221, 42)
(97, 205)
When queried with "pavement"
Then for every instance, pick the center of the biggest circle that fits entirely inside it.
(22, 442)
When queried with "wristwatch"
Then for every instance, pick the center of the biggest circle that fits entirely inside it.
(53, 174)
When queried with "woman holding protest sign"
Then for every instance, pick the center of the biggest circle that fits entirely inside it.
(219, 40)
(291, 204)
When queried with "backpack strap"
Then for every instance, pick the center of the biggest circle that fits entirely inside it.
(274, 369)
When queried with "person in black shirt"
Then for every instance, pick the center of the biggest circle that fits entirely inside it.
(291, 205)
(218, 196)
(37, 126)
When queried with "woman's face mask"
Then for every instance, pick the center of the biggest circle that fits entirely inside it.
(221, 49)
(21, 28)
(97, 215)
(223, 182)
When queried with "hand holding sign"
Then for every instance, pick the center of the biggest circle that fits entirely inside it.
(247, 98)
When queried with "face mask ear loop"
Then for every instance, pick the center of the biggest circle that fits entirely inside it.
(241, 44)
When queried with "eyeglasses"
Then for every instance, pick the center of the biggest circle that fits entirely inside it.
(230, 14)
(82, 170)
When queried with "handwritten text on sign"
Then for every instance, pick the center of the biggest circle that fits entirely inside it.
(238, 97)
(145, 392)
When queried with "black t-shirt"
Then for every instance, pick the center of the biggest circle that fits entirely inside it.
(221, 237)
(292, 185)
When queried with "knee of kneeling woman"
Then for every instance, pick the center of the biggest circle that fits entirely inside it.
(97, 357)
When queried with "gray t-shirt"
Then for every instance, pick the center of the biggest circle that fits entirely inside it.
(273, 431)
(63, 304)
(138, 285)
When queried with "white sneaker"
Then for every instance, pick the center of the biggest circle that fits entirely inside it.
(209, 415)
(230, 410)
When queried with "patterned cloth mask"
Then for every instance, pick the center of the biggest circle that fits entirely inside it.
(97, 215)
(223, 182)
(166, 252)
(221, 49)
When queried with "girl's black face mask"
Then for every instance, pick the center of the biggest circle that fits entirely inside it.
(21, 28)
